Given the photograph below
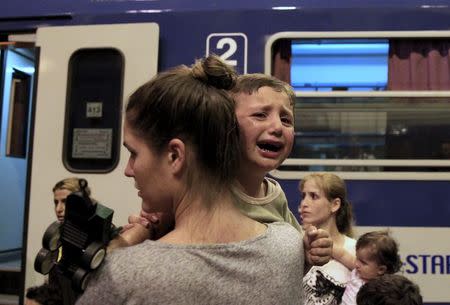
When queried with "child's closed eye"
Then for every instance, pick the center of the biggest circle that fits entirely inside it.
(260, 115)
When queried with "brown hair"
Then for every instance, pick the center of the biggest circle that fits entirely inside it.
(192, 104)
(389, 289)
(250, 83)
(384, 249)
(46, 294)
(334, 187)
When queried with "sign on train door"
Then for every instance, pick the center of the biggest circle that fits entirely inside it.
(85, 75)
(231, 47)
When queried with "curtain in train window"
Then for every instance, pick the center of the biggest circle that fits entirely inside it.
(16, 142)
(418, 64)
(281, 60)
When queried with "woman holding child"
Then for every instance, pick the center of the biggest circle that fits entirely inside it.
(183, 138)
(324, 204)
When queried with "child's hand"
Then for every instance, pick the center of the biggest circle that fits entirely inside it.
(318, 246)
(158, 224)
(141, 227)
(148, 221)
(133, 235)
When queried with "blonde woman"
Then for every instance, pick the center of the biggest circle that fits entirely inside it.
(61, 190)
(324, 205)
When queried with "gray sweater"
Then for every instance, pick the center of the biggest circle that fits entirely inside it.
(264, 270)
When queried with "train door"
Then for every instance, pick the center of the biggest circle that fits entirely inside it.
(85, 74)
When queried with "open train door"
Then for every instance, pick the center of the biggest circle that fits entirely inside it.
(85, 75)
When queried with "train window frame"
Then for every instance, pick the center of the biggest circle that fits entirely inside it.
(2, 89)
(288, 168)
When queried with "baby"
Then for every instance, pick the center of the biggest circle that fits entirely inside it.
(376, 255)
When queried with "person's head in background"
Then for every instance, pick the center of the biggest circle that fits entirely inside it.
(376, 254)
(183, 136)
(45, 294)
(389, 289)
(324, 203)
(61, 190)
(265, 112)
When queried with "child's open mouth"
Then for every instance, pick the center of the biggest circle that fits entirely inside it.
(272, 147)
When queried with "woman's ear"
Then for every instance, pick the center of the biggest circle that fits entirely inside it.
(176, 154)
(335, 204)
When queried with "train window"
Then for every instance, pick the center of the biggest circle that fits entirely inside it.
(339, 64)
(373, 128)
(374, 104)
(18, 64)
(93, 112)
(16, 142)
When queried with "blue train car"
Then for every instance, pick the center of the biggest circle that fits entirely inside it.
(373, 105)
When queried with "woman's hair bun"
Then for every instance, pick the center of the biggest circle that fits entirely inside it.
(213, 71)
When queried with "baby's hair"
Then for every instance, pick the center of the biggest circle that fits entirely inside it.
(389, 289)
(383, 247)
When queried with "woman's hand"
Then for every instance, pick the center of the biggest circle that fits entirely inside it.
(318, 246)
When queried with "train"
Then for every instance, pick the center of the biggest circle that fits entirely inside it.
(67, 68)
